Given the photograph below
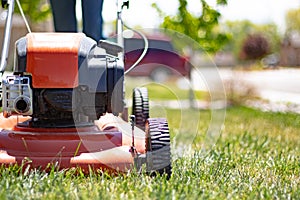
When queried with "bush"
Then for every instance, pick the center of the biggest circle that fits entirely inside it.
(254, 47)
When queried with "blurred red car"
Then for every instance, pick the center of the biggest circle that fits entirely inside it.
(161, 60)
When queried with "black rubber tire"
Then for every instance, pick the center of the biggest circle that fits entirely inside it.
(140, 106)
(158, 150)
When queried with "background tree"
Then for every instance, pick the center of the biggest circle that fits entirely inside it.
(255, 46)
(240, 30)
(292, 20)
(203, 29)
(36, 11)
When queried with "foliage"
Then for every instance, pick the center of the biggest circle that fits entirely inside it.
(292, 20)
(257, 157)
(239, 31)
(254, 47)
(203, 29)
(35, 10)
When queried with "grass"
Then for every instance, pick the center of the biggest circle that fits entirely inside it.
(161, 91)
(256, 156)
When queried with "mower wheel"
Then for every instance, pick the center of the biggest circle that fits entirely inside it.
(140, 107)
(158, 151)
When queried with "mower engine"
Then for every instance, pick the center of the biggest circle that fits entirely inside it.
(64, 80)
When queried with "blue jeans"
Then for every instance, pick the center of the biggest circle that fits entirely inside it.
(64, 17)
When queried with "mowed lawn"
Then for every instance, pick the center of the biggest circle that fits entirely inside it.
(256, 156)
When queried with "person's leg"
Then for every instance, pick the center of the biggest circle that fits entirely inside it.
(64, 16)
(92, 18)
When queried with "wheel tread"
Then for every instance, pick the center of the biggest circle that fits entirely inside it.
(158, 146)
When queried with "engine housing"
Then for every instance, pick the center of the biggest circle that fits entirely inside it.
(63, 80)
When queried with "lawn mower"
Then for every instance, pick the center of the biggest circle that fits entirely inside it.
(63, 106)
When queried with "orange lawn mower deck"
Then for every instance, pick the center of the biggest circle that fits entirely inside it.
(88, 147)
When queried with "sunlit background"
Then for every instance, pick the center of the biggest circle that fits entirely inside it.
(258, 11)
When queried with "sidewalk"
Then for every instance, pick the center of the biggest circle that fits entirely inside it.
(275, 106)
(278, 89)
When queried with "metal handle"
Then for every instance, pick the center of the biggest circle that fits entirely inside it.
(7, 34)
(120, 39)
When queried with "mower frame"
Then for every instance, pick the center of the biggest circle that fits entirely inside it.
(110, 144)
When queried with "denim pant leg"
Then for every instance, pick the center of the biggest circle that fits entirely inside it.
(92, 18)
(64, 15)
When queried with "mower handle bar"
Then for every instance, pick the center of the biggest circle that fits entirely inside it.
(119, 28)
(7, 33)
